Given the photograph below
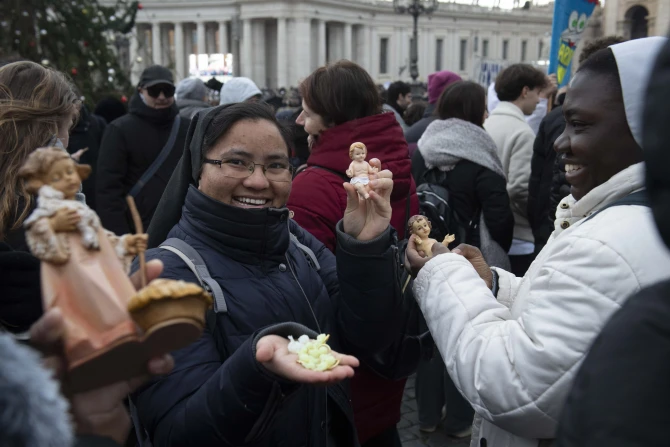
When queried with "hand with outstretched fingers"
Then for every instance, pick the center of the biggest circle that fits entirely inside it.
(272, 352)
(101, 411)
(366, 219)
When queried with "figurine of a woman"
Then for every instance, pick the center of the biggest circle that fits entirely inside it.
(420, 228)
(84, 267)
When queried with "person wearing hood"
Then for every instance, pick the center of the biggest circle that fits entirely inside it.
(437, 82)
(341, 106)
(620, 394)
(513, 345)
(239, 90)
(191, 94)
(139, 152)
(238, 384)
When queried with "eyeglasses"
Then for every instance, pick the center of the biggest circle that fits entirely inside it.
(276, 171)
(155, 90)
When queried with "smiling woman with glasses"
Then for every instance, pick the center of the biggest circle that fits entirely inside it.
(239, 385)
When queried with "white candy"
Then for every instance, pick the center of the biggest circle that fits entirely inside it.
(314, 355)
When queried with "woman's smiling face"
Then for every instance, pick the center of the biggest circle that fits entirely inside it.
(258, 141)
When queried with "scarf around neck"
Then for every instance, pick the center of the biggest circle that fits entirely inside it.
(446, 142)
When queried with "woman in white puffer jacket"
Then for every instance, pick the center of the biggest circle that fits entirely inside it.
(513, 345)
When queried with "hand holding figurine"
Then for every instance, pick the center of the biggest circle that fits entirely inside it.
(64, 220)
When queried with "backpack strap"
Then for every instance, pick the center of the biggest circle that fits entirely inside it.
(639, 198)
(158, 161)
(332, 171)
(309, 254)
(197, 265)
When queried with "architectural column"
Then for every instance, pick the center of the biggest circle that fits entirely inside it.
(347, 41)
(282, 55)
(223, 38)
(302, 51)
(166, 57)
(322, 43)
(156, 43)
(179, 57)
(373, 59)
(134, 54)
(245, 49)
(202, 38)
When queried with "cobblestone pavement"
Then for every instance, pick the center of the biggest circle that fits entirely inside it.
(409, 425)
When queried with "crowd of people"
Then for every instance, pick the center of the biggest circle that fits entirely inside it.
(543, 324)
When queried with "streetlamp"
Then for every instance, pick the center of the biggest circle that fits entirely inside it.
(415, 8)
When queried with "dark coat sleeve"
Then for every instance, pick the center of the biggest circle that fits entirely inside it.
(207, 400)
(491, 191)
(620, 395)
(110, 189)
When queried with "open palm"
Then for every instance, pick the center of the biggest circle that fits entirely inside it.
(367, 219)
(272, 352)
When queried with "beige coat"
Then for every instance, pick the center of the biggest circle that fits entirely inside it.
(514, 139)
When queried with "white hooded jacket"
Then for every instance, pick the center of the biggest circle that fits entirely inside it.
(514, 358)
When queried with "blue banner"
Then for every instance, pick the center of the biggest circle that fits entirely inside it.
(570, 20)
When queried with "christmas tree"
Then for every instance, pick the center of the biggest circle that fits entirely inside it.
(82, 38)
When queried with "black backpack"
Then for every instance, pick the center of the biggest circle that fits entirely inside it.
(435, 204)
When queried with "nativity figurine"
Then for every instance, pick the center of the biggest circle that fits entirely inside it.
(84, 273)
(359, 170)
(419, 227)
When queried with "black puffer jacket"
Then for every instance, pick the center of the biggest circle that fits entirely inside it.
(470, 187)
(129, 146)
(217, 394)
(547, 179)
(88, 134)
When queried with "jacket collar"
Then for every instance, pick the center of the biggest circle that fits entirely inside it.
(161, 117)
(509, 109)
(247, 236)
(620, 185)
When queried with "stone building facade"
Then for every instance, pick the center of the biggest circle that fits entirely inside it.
(277, 43)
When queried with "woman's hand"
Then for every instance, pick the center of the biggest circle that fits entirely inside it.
(272, 352)
(136, 243)
(100, 411)
(476, 259)
(367, 219)
(414, 259)
(64, 220)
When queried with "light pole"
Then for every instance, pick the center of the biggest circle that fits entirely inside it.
(415, 8)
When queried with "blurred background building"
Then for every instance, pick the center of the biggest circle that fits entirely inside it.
(277, 43)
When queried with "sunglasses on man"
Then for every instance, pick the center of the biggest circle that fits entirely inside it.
(155, 90)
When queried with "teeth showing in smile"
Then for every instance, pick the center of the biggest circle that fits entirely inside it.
(572, 168)
(249, 201)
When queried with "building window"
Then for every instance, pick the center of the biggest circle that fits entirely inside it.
(476, 44)
(540, 47)
(439, 46)
(464, 47)
(383, 55)
(524, 47)
(485, 48)
(505, 49)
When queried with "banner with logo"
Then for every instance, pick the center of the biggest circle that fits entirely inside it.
(570, 20)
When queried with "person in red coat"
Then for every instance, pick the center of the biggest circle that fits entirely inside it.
(341, 106)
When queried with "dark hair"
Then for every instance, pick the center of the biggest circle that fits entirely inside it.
(228, 115)
(597, 45)
(414, 112)
(465, 100)
(395, 89)
(341, 92)
(110, 108)
(511, 81)
(603, 63)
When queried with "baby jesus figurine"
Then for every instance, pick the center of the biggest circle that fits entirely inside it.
(359, 169)
(420, 228)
